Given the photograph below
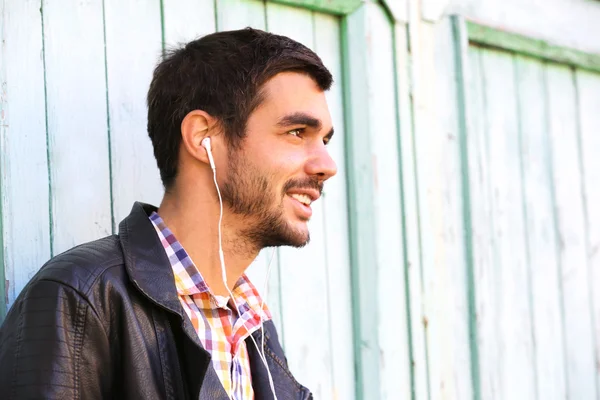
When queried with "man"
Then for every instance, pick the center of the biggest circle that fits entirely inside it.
(147, 313)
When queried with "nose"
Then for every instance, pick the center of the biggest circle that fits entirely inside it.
(321, 164)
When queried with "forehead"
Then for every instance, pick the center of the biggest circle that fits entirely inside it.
(293, 92)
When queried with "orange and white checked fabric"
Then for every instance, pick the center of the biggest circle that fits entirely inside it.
(221, 331)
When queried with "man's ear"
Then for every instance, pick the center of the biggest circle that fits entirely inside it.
(196, 126)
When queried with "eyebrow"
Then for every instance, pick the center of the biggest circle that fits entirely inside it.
(300, 118)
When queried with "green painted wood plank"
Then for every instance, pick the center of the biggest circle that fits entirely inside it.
(382, 115)
(303, 272)
(541, 239)
(588, 91)
(483, 35)
(470, 111)
(335, 213)
(445, 259)
(24, 180)
(567, 180)
(411, 223)
(475, 149)
(339, 7)
(134, 174)
(363, 239)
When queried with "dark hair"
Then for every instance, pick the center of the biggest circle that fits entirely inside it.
(222, 74)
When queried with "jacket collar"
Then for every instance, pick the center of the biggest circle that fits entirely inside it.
(150, 271)
(145, 259)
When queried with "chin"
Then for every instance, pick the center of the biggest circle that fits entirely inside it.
(297, 235)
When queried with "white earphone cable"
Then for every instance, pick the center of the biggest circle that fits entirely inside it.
(224, 276)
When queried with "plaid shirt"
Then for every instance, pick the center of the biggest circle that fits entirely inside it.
(220, 330)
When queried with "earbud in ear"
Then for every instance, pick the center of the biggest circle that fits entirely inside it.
(206, 144)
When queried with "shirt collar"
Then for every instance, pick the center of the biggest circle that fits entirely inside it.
(189, 281)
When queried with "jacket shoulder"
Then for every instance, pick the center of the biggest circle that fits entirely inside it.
(81, 266)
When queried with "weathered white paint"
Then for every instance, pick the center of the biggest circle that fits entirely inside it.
(362, 214)
(24, 170)
(382, 117)
(541, 234)
(77, 122)
(239, 14)
(79, 164)
(563, 129)
(482, 234)
(441, 212)
(186, 20)
(398, 9)
(411, 214)
(506, 363)
(335, 215)
(135, 176)
(571, 23)
(303, 272)
(588, 88)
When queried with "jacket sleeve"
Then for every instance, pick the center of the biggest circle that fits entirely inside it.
(53, 346)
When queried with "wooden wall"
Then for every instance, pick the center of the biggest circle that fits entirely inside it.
(75, 152)
(533, 156)
(455, 255)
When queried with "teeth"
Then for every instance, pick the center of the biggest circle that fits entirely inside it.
(302, 198)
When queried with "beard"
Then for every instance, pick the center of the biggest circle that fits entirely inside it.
(249, 193)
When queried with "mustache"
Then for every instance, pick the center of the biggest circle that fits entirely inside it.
(308, 183)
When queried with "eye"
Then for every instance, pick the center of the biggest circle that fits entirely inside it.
(296, 132)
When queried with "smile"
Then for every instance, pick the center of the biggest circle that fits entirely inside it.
(302, 198)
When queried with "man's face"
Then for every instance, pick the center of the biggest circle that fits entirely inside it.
(282, 163)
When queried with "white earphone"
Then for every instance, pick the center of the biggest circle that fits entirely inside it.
(206, 144)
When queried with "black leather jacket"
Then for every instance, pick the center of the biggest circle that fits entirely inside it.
(103, 321)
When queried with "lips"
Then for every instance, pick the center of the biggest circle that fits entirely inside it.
(305, 196)
(302, 199)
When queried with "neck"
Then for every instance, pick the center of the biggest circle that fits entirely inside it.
(194, 220)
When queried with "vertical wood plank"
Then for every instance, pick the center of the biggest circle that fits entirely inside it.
(541, 235)
(409, 179)
(379, 281)
(186, 20)
(303, 272)
(77, 122)
(135, 176)
(571, 233)
(239, 14)
(588, 88)
(441, 197)
(335, 215)
(3, 106)
(481, 230)
(363, 234)
(382, 114)
(24, 183)
(507, 359)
